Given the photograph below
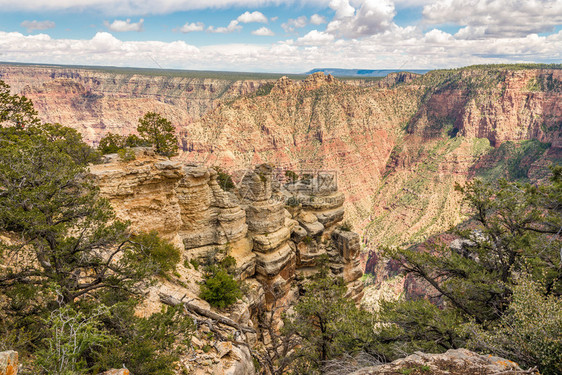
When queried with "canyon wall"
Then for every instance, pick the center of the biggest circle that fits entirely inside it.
(397, 145)
(96, 102)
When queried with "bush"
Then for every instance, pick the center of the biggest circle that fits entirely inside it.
(126, 154)
(219, 287)
(164, 254)
(224, 180)
(146, 346)
(529, 333)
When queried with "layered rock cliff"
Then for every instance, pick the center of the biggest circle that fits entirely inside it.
(398, 145)
(275, 241)
(96, 102)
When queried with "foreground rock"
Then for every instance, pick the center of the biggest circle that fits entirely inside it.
(8, 363)
(453, 362)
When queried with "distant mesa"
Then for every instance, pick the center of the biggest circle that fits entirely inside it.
(363, 72)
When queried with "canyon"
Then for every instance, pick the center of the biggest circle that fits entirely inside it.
(312, 160)
(397, 145)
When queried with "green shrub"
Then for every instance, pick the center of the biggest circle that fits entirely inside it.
(164, 254)
(291, 175)
(346, 226)
(195, 263)
(529, 333)
(126, 154)
(146, 346)
(111, 143)
(219, 287)
(224, 180)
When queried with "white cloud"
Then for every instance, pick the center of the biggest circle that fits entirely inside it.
(263, 31)
(292, 24)
(407, 47)
(248, 17)
(343, 8)
(191, 27)
(315, 37)
(317, 19)
(122, 26)
(37, 25)
(496, 18)
(232, 26)
(372, 17)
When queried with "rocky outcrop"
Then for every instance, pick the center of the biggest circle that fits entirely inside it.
(276, 231)
(453, 362)
(9, 363)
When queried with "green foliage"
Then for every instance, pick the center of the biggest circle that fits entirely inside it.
(194, 263)
(165, 255)
(65, 254)
(515, 230)
(219, 287)
(111, 143)
(68, 141)
(146, 346)
(71, 334)
(513, 160)
(292, 176)
(530, 332)
(224, 179)
(16, 110)
(265, 89)
(410, 326)
(159, 132)
(126, 154)
(328, 325)
(346, 226)
(115, 143)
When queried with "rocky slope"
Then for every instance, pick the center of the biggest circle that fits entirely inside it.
(275, 245)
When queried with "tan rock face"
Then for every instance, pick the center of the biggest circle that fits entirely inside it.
(144, 192)
(186, 205)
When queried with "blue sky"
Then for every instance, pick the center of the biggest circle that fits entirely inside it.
(281, 35)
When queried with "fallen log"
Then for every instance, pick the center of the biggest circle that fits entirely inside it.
(173, 301)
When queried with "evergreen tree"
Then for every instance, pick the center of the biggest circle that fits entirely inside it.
(159, 132)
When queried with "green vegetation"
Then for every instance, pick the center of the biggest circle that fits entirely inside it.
(219, 287)
(159, 132)
(224, 179)
(16, 110)
(512, 160)
(73, 274)
(486, 300)
(325, 325)
(113, 143)
(155, 131)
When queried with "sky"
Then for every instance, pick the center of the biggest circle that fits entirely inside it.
(282, 36)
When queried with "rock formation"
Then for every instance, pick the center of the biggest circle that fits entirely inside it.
(453, 362)
(9, 363)
(277, 233)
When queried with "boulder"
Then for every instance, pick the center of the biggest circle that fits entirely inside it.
(8, 363)
(453, 362)
(348, 243)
